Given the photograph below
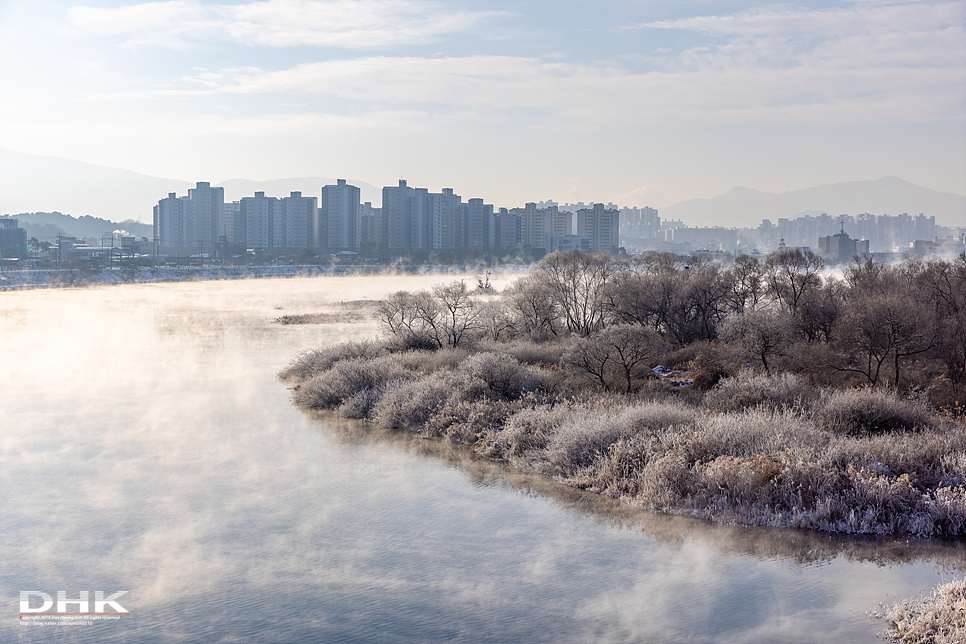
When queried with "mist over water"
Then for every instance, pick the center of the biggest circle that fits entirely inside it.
(146, 446)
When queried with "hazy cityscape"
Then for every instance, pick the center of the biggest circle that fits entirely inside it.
(417, 226)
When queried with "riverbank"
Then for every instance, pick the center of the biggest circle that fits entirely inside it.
(757, 450)
(30, 279)
(939, 618)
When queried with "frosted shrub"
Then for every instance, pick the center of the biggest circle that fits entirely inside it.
(344, 380)
(409, 404)
(312, 362)
(526, 431)
(869, 411)
(746, 433)
(580, 441)
(533, 353)
(471, 421)
(937, 619)
(360, 404)
(502, 375)
(653, 416)
(748, 389)
(428, 362)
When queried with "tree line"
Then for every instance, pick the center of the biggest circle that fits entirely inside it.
(873, 323)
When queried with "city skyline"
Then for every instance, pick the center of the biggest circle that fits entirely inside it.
(635, 103)
(436, 225)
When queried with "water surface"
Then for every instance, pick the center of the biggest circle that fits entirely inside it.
(146, 446)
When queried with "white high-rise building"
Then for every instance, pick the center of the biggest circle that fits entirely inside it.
(507, 228)
(209, 213)
(298, 216)
(366, 224)
(422, 213)
(601, 226)
(234, 227)
(338, 217)
(536, 224)
(191, 223)
(397, 217)
(260, 214)
(452, 220)
(174, 221)
(479, 224)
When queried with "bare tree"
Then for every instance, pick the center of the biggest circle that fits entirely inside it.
(877, 326)
(790, 274)
(761, 334)
(943, 284)
(458, 312)
(616, 356)
(684, 303)
(495, 320)
(532, 307)
(820, 309)
(412, 318)
(576, 282)
(746, 283)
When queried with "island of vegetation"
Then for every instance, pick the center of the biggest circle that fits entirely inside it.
(764, 392)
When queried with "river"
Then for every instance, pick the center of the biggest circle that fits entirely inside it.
(146, 446)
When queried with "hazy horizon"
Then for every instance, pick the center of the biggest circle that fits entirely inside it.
(118, 194)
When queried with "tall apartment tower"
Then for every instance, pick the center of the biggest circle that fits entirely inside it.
(507, 228)
(209, 212)
(191, 223)
(338, 217)
(298, 217)
(601, 226)
(452, 220)
(397, 217)
(478, 224)
(174, 222)
(234, 227)
(366, 224)
(422, 218)
(261, 221)
(561, 221)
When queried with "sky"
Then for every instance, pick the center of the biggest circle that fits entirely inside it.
(639, 102)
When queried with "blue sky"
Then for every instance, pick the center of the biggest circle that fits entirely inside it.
(647, 103)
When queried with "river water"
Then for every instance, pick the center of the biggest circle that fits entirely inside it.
(145, 446)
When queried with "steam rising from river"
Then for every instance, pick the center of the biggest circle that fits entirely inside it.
(145, 446)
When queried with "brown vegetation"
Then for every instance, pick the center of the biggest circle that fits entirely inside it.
(937, 619)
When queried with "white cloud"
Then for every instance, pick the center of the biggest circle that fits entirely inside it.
(906, 34)
(870, 62)
(600, 95)
(354, 24)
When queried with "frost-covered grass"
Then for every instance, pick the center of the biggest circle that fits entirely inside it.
(937, 619)
(757, 450)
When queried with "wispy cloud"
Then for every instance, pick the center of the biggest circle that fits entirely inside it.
(599, 95)
(353, 24)
(867, 62)
(873, 33)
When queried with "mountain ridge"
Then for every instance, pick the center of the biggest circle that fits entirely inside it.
(887, 195)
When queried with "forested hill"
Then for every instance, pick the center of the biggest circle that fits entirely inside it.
(47, 225)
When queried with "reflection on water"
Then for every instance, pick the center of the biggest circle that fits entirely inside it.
(145, 446)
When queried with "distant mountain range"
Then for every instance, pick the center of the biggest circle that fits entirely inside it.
(744, 207)
(46, 226)
(31, 183)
